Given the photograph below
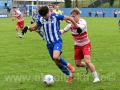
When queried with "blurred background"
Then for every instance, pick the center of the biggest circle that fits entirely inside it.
(27, 6)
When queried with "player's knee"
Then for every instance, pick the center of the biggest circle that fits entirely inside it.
(57, 62)
(77, 65)
(87, 59)
(56, 58)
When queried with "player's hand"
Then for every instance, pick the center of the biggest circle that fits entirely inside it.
(31, 22)
(24, 30)
(79, 30)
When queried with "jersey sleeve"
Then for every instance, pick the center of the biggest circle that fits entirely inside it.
(59, 16)
(83, 25)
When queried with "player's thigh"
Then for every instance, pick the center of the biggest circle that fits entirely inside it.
(87, 52)
(21, 25)
(57, 50)
(56, 54)
(87, 49)
(50, 50)
(17, 25)
(78, 54)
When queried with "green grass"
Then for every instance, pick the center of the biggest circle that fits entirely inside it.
(115, 5)
(86, 3)
(24, 62)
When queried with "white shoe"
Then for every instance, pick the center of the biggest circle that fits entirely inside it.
(96, 80)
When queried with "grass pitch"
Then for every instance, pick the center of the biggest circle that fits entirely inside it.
(24, 62)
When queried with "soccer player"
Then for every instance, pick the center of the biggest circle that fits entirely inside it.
(57, 10)
(51, 8)
(54, 42)
(119, 24)
(35, 18)
(82, 46)
(20, 23)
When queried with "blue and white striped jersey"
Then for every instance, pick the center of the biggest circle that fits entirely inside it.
(51, 27)
(119, 21)
(35, 17)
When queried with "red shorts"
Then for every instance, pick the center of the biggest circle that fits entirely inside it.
(20, 24)
(80, 51)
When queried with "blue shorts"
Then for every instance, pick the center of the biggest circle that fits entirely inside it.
(54, 46)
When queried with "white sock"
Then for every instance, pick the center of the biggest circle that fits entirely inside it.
(95, 74)
(19, 34)
(70, 75)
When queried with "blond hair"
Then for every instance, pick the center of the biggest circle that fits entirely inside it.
(75, 10)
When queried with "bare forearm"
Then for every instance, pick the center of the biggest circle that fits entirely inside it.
(71, 20)
(34, 28)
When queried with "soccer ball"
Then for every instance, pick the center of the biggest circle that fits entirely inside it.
(48, 79)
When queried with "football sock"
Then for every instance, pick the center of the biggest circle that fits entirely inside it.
(95, 74)
(19, 34)
(63, 61)
(70, 74)
(64, 70)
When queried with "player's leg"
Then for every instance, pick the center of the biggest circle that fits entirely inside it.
(86, 52)
(78, 56)
(18, 29)
(62, 67)
(55, 54)
(58, 46)
(21, 25)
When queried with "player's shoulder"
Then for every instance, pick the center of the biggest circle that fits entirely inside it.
(18, 11)
(82, 20)
(38, 15)
(53, 14)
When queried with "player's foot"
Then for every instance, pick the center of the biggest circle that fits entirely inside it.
(86, 70)
(70, 78)
(20, 36)
(96, 80)
(71, 68)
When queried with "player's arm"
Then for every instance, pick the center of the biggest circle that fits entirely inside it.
(65, 29)
(32, 21)
(79, 30)
(14, 18)
(33, 28)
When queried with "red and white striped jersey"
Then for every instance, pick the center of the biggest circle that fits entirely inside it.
(18, 15)
(79, 39)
